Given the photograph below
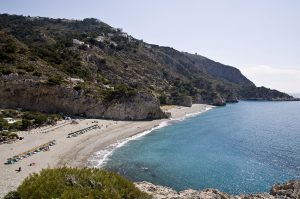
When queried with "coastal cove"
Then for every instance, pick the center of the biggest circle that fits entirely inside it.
(72, 151)
(133, 100)
(240, 148)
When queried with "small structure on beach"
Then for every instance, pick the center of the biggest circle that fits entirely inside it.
(82, 131)
(10, 120)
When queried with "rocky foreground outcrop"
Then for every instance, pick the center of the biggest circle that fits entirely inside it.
(33, 94)
(288, 190)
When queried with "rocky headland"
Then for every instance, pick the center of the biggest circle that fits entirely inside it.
(288, 190)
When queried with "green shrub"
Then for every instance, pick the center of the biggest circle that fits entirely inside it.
(120, 91)
(30, 119)
(54, 118)
(103, 80)
(35, 73)
(55, 80)
(9, 113)
(5, 71)
(29, 115)
(16, 126)
(3, 124)
(77, 69)
(77, 87)
(8, 48)
(5, 57)
(66, 183)
(163, 99)
(40, 119)
(8, 136)
(27, 68)
(12, 195)
(26, 124)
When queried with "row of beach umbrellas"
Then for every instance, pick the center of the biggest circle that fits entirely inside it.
(82, 131)
(41, 148)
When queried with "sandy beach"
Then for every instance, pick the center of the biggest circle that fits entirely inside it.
(74, 151)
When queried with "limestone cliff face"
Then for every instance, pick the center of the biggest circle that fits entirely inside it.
(140, 107)
(288, 190)
(32, 94)
(221, 71)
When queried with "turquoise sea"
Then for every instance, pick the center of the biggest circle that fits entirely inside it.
(240, 148)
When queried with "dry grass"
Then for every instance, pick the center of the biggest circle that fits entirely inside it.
(167, 107)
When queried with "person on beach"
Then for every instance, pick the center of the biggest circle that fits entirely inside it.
(19, 170)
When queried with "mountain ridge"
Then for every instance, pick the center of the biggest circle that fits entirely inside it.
(108, 69)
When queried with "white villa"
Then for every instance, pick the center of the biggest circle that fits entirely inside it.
(123, 34)
(100, 38)
(77, 42)
(114, 43)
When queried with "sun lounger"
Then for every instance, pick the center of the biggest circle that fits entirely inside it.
(44, 147)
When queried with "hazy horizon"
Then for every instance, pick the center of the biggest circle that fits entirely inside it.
(259, 38)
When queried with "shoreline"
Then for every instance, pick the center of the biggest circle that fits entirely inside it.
(77, 151)
(99, 158)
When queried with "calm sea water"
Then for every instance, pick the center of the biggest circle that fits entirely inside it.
(240, 148)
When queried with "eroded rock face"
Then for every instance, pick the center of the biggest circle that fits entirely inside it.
(289, 190)
(215, 100)
(181, 101)
(31, 94)
(139, 107)
(157, 191)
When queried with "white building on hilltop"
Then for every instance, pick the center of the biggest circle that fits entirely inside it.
(100, 38)
(77, 42)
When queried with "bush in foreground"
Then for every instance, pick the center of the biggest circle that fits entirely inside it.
(73, 183)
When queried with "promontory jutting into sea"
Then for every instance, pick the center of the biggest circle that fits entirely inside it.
(89, 111)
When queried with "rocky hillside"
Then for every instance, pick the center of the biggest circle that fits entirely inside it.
(85, 67)
(288, 190)
(221, 71)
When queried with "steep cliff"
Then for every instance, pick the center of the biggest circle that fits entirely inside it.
(35, 94)
(221, 71)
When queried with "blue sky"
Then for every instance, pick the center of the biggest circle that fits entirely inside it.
(260, 37)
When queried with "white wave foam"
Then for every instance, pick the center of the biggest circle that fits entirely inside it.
(101, 157)
(189, 115)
